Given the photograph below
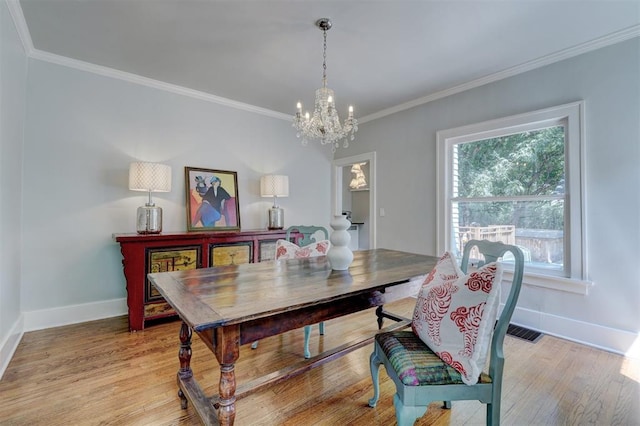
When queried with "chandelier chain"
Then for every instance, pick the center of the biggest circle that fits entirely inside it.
(324, 60)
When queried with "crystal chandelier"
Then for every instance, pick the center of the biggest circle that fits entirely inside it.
(325, 125)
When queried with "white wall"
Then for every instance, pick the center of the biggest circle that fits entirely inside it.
(13, 73)
(82, 132)
(609, 81)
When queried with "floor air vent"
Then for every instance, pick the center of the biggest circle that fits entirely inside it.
(524, 333)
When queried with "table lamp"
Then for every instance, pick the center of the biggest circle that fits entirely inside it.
(275, 186)
(150, 177)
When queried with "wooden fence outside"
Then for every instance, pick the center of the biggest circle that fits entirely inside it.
(538, 245)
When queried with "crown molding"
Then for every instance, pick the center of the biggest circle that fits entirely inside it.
(156, 84)
(613, 38)
(21, 25)
(23, 31)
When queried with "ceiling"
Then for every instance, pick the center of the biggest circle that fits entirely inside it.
(382, 55)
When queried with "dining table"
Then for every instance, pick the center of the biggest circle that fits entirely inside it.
(229, 306)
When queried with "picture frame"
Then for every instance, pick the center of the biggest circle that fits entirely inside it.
(212, 200)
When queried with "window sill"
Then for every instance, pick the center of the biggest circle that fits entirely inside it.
(569, 285)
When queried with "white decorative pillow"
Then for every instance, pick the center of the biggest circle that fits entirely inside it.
(289, 250)
(455, 314)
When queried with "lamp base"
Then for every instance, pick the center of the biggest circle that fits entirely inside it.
(149, 219)
(276, 218)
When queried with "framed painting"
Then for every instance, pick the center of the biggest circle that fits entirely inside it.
(212, 200)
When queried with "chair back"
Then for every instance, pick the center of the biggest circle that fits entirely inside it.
(492, 251)
(308, 234)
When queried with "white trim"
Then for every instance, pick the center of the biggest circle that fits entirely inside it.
(10, 344)
(156, 84)
(21, 25)
(593, 335)
(336, 180)
(613, 38)
(73, 314)
(583, 185)
(568, 285)
(573, 113)
(23, 31)
(606, 338)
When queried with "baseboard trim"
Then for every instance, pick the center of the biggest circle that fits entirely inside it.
(622, 342)
(10, 344)
(609, 339)
(73, 314)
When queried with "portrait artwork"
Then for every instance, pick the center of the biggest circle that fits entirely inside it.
(212, 200)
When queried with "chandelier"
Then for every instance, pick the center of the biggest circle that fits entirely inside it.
(324, 124)
(359, 181)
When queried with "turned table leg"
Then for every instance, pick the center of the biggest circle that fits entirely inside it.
(226, 346)
(227, 389)
(184, 355)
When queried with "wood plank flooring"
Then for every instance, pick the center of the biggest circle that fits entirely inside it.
(98, 373)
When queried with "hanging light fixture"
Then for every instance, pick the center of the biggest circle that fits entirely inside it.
(324, 124)
(359, 181)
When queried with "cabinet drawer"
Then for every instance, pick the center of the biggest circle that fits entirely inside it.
(267, 250)
(155, 310)
(231, 253)
(168, 259)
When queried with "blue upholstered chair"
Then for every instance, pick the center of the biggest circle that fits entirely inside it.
(403, 353)
(310, 235)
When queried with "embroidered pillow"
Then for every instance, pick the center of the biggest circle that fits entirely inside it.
(288, 250)
(455, 314)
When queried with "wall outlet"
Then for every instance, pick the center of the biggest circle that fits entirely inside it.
(382, 213)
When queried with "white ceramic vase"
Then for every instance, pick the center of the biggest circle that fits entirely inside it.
(340, 255)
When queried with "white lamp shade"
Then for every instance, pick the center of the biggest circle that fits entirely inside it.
(274, 186)
(152, 177)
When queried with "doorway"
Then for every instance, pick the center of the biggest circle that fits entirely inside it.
(366, 212)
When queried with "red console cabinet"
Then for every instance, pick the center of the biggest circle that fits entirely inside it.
(143, 254)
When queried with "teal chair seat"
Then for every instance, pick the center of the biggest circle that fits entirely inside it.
(310, 235)
(415, 364)
(421, 377)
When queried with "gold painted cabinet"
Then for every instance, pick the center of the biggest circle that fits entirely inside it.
(143, 254)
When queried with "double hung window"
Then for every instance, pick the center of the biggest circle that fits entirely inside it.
(517, 180)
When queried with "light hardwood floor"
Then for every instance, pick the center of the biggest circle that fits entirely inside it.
(100, 373)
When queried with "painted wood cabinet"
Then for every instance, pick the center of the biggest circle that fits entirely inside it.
(143, 254)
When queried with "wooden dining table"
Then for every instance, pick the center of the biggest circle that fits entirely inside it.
(229, 306)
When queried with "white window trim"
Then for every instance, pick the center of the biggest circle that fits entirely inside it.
(573, 113)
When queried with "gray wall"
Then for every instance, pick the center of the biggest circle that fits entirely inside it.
(13, 72)
(82, 132)
(608, 81)
(61, 203)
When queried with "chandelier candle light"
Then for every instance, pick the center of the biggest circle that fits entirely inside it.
(325, 123)
(149, 177)
(275, 186)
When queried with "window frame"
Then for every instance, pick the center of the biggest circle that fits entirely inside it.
(570, 115)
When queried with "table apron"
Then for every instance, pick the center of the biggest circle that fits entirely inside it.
(259, 328)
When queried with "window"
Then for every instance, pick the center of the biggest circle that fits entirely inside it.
(518, 180)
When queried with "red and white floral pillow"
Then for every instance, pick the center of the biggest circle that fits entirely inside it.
(288, 250)
(455, 314)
